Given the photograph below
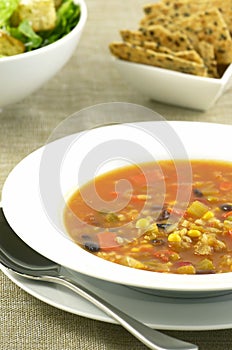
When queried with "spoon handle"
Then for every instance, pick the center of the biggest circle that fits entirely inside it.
(153, 339)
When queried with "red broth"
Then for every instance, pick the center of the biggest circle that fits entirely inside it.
(147, 225)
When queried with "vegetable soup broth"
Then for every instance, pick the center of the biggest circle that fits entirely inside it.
(153, 232)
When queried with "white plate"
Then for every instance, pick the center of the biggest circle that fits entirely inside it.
(157, 312)
(33, 194)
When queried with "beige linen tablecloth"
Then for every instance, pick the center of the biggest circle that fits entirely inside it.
(88, 78)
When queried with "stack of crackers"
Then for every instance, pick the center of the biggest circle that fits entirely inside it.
(188, 36)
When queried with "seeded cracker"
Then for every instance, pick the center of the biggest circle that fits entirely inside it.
(193, 31)
(185, 8)
(182, 10)
(188, 7)
(156, 47)
(176, 41)
(209, 26)
(163, 20)
(156, 9)
(136, 38)
(162, 41)
(137, 54)
(189, 55)
(206, 51)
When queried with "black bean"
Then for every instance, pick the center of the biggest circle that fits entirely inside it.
(226, 207)
(86, 237)
(205, 272)
(92, 246)
(164, 215)
(157, 241)
(163, 226)
(197, 192)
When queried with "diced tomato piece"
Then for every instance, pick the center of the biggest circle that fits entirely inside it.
(176, 212)
(142, 179)
(114, 194)
(139, 179)
(225, 186)
(163, 255)
(225, 215)
(183, 263)
(146, 249)
(107, 240)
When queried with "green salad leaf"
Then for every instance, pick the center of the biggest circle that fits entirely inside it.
(26, 34)
(68, 15)
(7, 7)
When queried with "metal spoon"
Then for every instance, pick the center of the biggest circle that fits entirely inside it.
(24, 261)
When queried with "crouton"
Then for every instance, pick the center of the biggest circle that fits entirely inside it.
(40, 13)
(10, 46)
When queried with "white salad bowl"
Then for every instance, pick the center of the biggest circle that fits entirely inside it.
(174, 88)
(24, 73)
(35, 193)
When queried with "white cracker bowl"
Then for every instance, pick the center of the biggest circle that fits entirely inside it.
(174, 88)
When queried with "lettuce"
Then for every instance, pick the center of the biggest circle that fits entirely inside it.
(26, 34)
(68, 15)
(33, 41)
(7, 7)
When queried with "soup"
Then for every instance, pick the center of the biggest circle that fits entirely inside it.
(154, 221)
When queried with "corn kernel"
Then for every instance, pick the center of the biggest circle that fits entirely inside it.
(174, 237)
(188, 269)
(197, 209)
(208, 215)
(212, 199)
(146, 247)
(135, 250)
(143, 196)
(185, 223)
(194, 233)
(121, 217)
(174, 256)
(142, 223)
(228, 224)
(154, 228)
(183, 231)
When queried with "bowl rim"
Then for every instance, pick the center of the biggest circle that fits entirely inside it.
(90, 264)
(80, 25)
